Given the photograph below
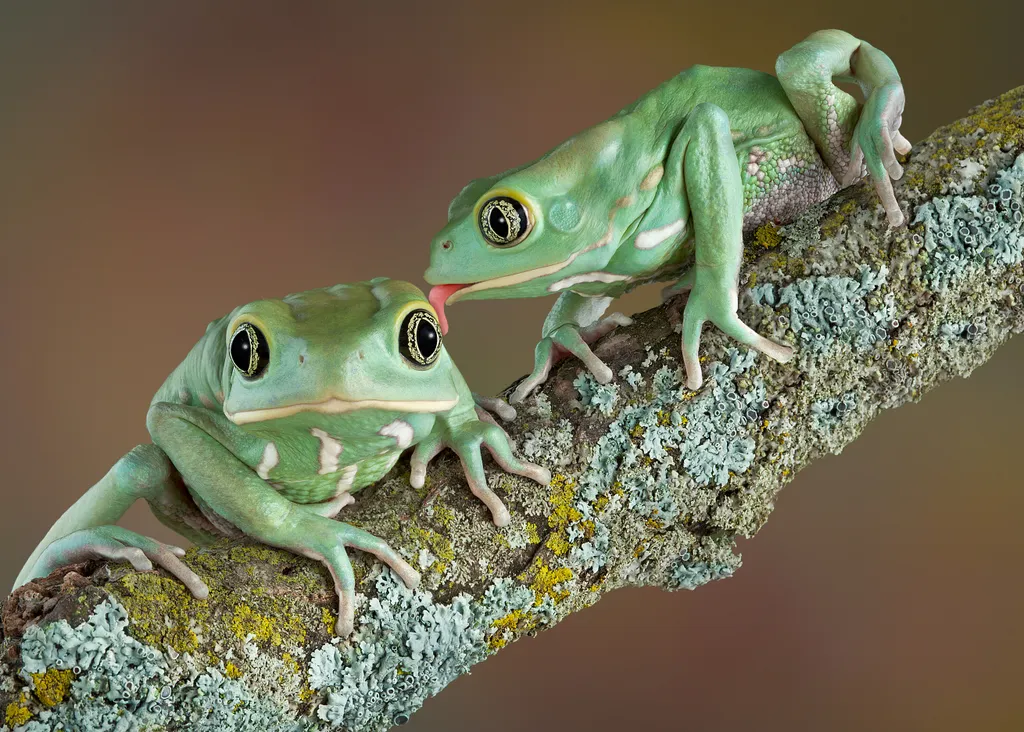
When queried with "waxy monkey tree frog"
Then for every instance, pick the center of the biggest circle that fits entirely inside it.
(666, 190)
(280, 413)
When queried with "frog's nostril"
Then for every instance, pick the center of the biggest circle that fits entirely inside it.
(446, 244)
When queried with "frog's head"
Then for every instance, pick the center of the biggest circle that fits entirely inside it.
(524, 232)
(368, 345)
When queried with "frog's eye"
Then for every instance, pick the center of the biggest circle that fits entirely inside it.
(504, 221)
(419, 338)
(249, 351)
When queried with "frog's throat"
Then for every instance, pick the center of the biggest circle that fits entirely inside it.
(334, 405)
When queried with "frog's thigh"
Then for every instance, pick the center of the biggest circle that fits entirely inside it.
(146, 472)
(175, 509)
(711, 176)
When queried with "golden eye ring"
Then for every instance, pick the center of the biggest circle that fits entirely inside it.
(419, 338)
(249, 351)
(504, 221)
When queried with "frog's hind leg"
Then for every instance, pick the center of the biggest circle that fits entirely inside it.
(86, 530)
(711, 176)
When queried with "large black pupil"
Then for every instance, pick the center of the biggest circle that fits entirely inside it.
(240, 349)
(498, 223)
(426, 338)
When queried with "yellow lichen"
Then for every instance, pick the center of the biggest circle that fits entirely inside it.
(531, 533)
(766, 236)
(561, 498)
(247, 623)
(443, 514)
(545, 580)
(329, 619)
(17, 713)
(558, 544)
(162, 611)
(232, 671)
(509, 623)
(51, 686)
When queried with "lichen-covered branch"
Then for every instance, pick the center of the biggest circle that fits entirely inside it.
(653, 483)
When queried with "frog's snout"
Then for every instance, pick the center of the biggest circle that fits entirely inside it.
(439, 263)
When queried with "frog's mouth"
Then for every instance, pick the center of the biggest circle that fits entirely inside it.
(337, 405)
(441, 295)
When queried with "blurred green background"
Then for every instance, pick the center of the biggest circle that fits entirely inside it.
(162, 162)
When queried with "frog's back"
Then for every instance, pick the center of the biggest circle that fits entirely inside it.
(753, 100)
(781, 169)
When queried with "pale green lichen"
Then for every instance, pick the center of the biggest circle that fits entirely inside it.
(965, 234)
(551, 446)
(408, 647)
(121, 683)
(823, 310)
(689, 574)
(602, 397)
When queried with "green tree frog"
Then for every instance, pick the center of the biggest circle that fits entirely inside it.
(282, 411)
(666, 189)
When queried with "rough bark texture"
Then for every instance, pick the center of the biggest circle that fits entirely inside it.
(652, 483)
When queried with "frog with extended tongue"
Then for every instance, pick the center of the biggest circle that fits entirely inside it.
(666, 189)
(282, 411)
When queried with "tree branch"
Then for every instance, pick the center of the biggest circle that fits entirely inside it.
(653, 483)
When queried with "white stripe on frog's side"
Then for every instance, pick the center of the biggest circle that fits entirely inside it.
(330, 451)
(348, 477)
(653, 237)
(585, 277)
(399, 429)
(269, 461)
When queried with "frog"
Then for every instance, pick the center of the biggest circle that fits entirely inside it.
(278, 416)
(669, 189)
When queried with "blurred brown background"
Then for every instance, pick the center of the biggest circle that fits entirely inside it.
(162, 162)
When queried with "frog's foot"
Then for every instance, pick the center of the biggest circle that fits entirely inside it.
(326, 543)
(567, 340)
(119, 545)
(495, 405)
(717, 304)
(466, 440)
(876, 141)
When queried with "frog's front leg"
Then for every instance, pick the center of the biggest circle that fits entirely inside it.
(86, 531)
(705, 152)
(465, 434)
(195, 440)
(572, 325)
(833, 118)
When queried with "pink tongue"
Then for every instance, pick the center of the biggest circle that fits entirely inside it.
(437, 297)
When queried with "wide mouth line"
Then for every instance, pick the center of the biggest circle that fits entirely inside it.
(516, 278)
(337, 405)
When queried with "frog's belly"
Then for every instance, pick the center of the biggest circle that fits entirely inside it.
(782, 178)
(347, 479)
(313, 489)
